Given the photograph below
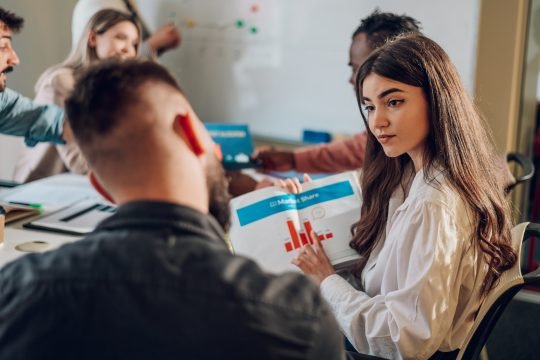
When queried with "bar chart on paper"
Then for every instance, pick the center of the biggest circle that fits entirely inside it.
(271, 225)
(298, 239)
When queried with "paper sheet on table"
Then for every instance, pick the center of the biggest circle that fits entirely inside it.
(53, 192)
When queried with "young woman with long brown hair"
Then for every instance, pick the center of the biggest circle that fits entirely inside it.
(434, 231)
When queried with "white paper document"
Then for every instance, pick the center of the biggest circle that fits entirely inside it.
(53, 192)
(270, 225)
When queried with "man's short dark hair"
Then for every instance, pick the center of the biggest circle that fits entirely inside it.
(381, 26)
(13, 22)
(104, 93)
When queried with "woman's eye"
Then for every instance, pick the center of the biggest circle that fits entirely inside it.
(394, 102)
(368, 108)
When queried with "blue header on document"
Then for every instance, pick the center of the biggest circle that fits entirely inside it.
(277, 204)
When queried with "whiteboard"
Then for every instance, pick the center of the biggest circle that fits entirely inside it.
(281, 65)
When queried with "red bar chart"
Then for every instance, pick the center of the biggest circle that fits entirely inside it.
(298, 239)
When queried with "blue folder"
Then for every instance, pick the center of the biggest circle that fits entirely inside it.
(236, 144)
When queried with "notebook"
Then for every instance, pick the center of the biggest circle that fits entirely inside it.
(14, 212)
(77, 219)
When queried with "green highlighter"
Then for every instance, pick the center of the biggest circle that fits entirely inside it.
(32, 205)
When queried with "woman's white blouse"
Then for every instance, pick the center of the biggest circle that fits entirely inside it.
(422, 283)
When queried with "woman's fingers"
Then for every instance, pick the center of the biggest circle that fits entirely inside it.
(291, 185)
(298, 262)
(312, 263)
(304, 262)
(318, 246)
(309, 250)
(297, 184)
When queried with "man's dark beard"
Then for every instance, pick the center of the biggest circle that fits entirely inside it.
(218, 193)
(5, 71)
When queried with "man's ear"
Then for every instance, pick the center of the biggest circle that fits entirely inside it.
(99, 188)
(92, 39)
(190, 132)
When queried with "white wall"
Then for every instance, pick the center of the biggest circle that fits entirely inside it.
(293, 73)
(45, 40)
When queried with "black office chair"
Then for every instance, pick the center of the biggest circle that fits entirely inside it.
(510, 282)
(525, 164)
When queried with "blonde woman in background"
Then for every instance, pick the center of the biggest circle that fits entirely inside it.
(109, 33)
(154, 43)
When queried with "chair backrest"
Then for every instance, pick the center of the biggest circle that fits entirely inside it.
(510, 282)
(526, 166)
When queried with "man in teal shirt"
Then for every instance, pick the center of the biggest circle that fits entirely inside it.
(19, 115)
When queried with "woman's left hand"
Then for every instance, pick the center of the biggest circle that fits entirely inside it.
(313, 261)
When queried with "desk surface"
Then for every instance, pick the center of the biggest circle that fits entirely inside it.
(14, 237)
(54, 193)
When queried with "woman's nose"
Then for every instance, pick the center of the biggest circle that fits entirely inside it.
(379, 119)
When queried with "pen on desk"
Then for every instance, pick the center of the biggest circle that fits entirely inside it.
(81, 212)
(32, 205)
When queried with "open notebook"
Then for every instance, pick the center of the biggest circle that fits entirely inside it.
(77, 219)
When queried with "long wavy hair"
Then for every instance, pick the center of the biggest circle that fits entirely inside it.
(83, 54)
(457, 142)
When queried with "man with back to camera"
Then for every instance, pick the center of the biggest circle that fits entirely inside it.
(18, 114)
(348, 154)
(155, 280)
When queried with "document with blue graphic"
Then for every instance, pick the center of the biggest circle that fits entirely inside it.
(270, 225)
(235, 143)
